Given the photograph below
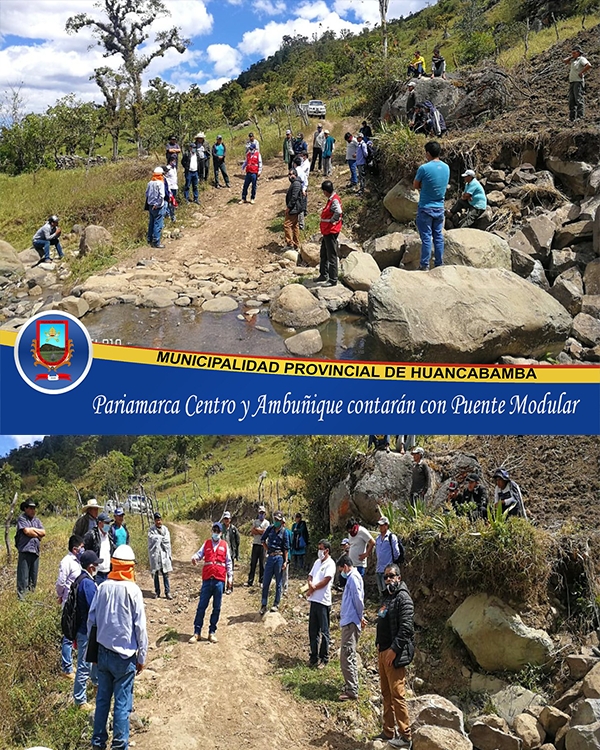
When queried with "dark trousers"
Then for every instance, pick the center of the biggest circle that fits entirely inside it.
(27, 573)
(317, 154)
(203, 169)
(250, 179)
(576, 99)
(219, 166)
(257, 556)
(318, 630)
(469, 217)
(329, 263)
(165, 577)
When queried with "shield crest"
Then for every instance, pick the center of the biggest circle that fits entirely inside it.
(52, 347)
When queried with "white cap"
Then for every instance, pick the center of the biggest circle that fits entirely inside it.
(124, 552)
(468, 173)
(418, 450)
(227, 514)
(158, 170)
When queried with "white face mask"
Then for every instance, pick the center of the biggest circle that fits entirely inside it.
(321, 554)
(92, 571)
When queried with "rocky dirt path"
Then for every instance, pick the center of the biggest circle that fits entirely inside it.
(212, 695)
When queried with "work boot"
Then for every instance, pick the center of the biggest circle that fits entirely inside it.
(212, 638)
(195, 638)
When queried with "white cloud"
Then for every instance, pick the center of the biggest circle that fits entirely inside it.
(313, 11)
(227, 60)
(213, 84)
(270, 7)
(367, 11)
(190, 16)
(267, 40)
(8, 442)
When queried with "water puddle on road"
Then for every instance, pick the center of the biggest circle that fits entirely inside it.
(344, 335)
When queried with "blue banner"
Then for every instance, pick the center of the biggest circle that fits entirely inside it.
(123, 390)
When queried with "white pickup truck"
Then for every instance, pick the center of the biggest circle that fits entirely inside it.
(316, 108)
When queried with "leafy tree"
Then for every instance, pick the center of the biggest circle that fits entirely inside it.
(314, 80)
(75, 125)
(122, 31)
(321, 461)
(112, 475)
(116, 91)
(24, 138)
(186, 447)
(151, 454)
(231, 97)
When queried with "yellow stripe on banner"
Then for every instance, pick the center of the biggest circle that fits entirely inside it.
(341, 369)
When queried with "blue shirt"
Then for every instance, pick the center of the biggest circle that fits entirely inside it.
(475, 189)
(219, 149)
(433, 176)
(276, 539)
(383, 550)
(120, 533)
(86, 591)
(362, 154)
(353, 600)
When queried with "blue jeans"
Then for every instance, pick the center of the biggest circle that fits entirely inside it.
(211, 588)
(361, 569)
(66, 655)
(115, 677)
(430, 223)
(191, 178)
(353, 174)
(249, 180)
(318, 630)
(85, 671)
(165, 577)
(273, 567)
(43, 246)
(156, 219)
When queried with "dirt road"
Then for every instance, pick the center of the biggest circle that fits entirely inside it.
(212, 695)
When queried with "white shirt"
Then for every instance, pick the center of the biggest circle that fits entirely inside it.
(320, 570)
(358, 546)
(576, 67)
(303, 171)
(193, 163)
(104, 555)
(171, 175)
(68, 571)
(351, 149)
(263, 526)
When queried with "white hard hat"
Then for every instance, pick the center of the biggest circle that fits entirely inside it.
(159, 170)
(124, 552)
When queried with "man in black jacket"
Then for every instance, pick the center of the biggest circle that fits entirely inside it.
(294, 206)
(232, 536)
(395, 634)
(421, 479)
(98, 540)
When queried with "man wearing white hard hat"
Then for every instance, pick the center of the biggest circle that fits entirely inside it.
(118, 615)
(88, 520)
(156, 204)
(471, 204)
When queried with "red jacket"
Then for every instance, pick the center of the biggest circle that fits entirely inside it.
(215, 561)
(253, 162)
(326, 226)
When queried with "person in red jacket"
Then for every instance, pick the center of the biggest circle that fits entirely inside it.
(216, 574)
(253, 167)
(331, 226)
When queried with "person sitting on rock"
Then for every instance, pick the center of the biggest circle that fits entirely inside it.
(471, 204)
(379, 442)
(416, 68)
(438, 65)
(419, 118)
(508, 493)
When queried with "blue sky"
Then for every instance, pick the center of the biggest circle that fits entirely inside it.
(227, 36)
(8, 442)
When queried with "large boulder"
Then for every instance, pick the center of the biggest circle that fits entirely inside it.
(310, 253)
(440, 738)
(386, 250)
(591, 683)
(583, 738)
(10, 265)
(515, 700)
(552, 719)
(94, 237)
(333, 297)
(586, 712)
(359, 271)
(305, 344)
(591, 277)
(574, 233)
(529, 730)
(573, 174)
(586, 329)
(568, 290)
(485, 737)
(296, 307)
(497, 637)
(76, 306)
(439, 91)
(539, 230)
(436, 711)
(461, 314)
(402, 201)
(381, 475)
(472, 247)
(160, 296)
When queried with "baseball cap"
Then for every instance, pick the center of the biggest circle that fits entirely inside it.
(278, 515)
(383, 520)
(103, 517)
(157, 515)
(217, 525)
(288, 132)
(501, 474)
(326, 131)
(262, 509)
(89, 557)
(359, 135)
(453, 485)
(345, 540)
(227, 514)
(219, 137)
(472, 478)
(119, 512)
(468, 173)
(418, 449)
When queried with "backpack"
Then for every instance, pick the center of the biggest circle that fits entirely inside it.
(436, 119)
(400, 559)
(370, 153)
(68, 618)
